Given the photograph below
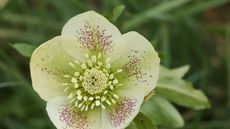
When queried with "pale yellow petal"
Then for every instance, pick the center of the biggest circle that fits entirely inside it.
(50, 62)
(65, 116)
(95, 33)
(125, 110)
(139, 62)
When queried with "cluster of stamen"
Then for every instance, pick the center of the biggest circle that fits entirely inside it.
(94, 85)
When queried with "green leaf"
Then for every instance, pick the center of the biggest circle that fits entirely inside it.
(162, 112)
(165, 35)
(174, 73)
(21, 35)
(132, 125)
(153, 12)
(117, 11)
(201, 6)
(180, 72)
(24, 49)
(182, 93)
(143, 122)
(9, 84)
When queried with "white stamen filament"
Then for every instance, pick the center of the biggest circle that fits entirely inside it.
(79, 92)
(111, 76)
(107, 60)
(115, 96)
(99, 55)
(85, 98)
(72, 65)
(83, 107)
(89, 62)
(107, 101)
(80, 105)
(99, 64)
(94, 59)
(106, 92)
(113, 101)
(91, 98)
(74, 80)
(102, 106)
(83, 66)
(111, 87)
(66, 76)
(115, 81)
(77, 62)
(76, 74)
(92, 106)
(65, 84)
(119, 70)
(98, 103)
(79, 97)
(108, 66)
(103, 98)
(86, 55)
(76, 85)
(66, 89)
(86, 108)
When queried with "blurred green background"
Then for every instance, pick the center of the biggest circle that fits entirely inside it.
(194, 32)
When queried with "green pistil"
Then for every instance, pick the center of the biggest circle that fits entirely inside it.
(94, 81)
(94, 86)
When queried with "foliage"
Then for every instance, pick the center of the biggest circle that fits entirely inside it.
(24, 49)
(179, 31)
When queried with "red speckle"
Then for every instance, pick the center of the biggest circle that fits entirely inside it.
(134, 66)
(122, 112)
(94, 38)
(72, 119)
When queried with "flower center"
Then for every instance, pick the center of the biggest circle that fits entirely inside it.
(94, 81)
(94, 85)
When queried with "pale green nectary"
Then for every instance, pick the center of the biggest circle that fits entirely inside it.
(92, 76)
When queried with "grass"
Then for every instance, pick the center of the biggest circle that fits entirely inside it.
(183, 31)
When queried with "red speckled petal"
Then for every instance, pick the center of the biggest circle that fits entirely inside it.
(50, 62)
(140, 63)
(120, 115)
(95, 33)
(64, 116)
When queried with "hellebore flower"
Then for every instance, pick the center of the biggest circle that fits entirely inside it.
(92, 76)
